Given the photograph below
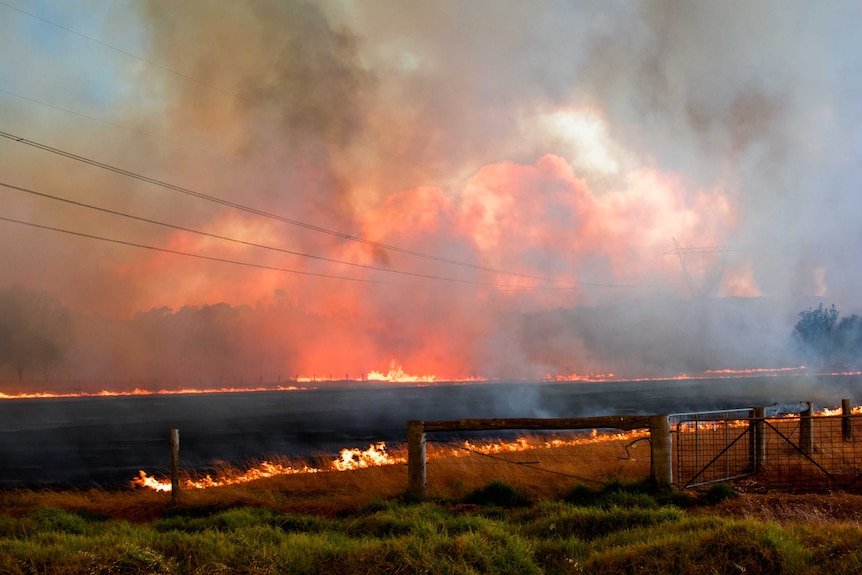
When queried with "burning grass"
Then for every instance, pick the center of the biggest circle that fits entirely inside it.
(573, 503)
(537, 463)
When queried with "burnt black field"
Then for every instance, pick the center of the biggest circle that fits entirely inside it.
(104, 441)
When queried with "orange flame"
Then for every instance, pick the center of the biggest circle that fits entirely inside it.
(396, 374)
(348, 459)
(136, 391)
(375, 455)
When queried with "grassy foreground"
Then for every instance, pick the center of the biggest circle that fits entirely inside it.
(492, 529)
(537, 517)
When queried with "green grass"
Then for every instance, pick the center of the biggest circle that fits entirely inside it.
(617, 529)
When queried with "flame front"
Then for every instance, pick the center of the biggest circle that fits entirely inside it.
(375, 455)
(348, 459)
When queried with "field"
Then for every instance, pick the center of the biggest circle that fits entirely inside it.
(560, 503)
(493, 512)
(104, 441)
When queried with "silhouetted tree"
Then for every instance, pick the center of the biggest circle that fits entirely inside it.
(822, 339)
(35, 330)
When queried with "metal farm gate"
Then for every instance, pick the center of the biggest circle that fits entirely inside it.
(711, 446)
(784, 445)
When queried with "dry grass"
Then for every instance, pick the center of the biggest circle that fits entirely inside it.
(793, 508)
(540, 471)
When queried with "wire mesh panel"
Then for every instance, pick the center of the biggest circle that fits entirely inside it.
(539, 464)
(812, 453)
(712, 448)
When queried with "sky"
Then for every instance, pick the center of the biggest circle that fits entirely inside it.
(484, 187)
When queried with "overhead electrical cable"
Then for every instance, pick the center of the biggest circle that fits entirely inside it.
(112, 124)
(242, 263)
(188, 254)
(266, 247)
(342, 235)
(284, 219)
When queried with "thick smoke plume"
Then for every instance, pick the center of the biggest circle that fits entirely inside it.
(545, 155)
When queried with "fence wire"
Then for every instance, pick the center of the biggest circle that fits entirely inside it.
(826, 456)
(712, 450)
(579, 457)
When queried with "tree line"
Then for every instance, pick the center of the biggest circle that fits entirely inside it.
(826, 341)
(41, 339)
(35, 331)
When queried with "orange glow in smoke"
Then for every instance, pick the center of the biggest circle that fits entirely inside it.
(542, 220)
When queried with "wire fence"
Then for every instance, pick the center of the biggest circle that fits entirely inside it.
(826, 458)
(712, 447)
(538, 461)
(791, 452)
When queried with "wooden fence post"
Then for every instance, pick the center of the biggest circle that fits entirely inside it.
(661, 464)
(758, 438)
(175, 464)
(806, 430)
(846, 421)
(416, 459)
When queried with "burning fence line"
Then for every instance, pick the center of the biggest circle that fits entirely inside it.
(348, 459)
(378, 454)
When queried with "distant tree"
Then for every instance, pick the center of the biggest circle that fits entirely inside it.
(35, 330)
(815, 334)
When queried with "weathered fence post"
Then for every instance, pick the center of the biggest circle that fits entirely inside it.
(846, 420)
(175, 464)
(758, 438)
(661, 464)
(806, 430)
(416, 459)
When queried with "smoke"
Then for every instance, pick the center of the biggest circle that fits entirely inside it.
(567, 143)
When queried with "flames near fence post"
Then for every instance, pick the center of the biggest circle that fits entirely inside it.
(416, 459)
(175, 464)
(659, 427)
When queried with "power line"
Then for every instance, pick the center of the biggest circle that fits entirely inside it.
(107, 123)
(255, 211)
(262, 246)
(188, 254)
(270, 215)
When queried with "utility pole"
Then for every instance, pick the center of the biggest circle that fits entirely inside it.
(708, 282)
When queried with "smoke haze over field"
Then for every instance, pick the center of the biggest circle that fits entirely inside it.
(502, 181)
